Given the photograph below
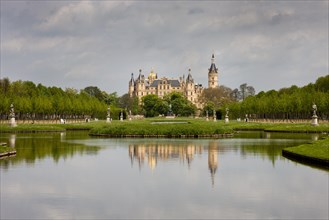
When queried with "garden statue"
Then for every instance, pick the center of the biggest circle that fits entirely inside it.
(215, 118)
(226, 115)
(121, 116)
(246, 118)
(129, 115)
(170, 113)
(207, 117)
(108, 118)
(314, 117)
(12, 121)
(314, 108)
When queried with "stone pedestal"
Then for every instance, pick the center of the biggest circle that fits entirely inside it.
(315, 120)
(226, 119)
(108, 120)
(12, 122)
(215, 119)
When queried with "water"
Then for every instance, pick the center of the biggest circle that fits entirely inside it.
(73, 176)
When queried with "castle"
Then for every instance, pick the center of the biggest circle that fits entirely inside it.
(142, 86)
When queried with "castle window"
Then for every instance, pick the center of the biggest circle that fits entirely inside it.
(168, 87)
(212, 83)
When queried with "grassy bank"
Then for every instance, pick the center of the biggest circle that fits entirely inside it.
(6, 151)
(298, 128)
(145, 127)
(30, 128)
(21, 128)
(163, 127)
(316, 152)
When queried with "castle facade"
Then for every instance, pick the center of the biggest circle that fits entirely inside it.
(142, 86)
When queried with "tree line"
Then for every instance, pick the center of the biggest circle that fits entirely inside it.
(36, 102)
(286, 104)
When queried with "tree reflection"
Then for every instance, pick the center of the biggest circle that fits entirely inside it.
(33, 147)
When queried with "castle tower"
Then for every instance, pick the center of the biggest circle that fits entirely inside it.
(189, 87)
(213, 74)
(131, 85)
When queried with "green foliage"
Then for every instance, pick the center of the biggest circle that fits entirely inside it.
(287, 103)
(39, 102)
(154, 106)
(149, 103)
(130, 103)
(179, 104)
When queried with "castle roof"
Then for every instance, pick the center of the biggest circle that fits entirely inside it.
(172, 82)
(213, 66)
(189, 77)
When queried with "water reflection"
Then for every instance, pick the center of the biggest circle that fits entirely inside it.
(12, 140)
(158, 178)
(33, 147)
(183, 152)
(160, 151)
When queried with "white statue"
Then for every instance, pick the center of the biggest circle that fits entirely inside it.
(108, 118)
(12, 121)
(314, 108)
(314, 117)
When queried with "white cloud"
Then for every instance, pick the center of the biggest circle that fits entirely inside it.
(70, 15)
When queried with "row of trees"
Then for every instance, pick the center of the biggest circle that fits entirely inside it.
(33, 102)
(286, 104)
(39, 102)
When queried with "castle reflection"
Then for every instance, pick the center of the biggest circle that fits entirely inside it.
(185, 153)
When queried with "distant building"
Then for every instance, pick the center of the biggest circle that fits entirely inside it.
(142, 86)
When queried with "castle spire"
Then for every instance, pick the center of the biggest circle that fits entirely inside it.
(213, 74)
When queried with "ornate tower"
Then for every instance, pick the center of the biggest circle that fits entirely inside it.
(213, 74)
(131, 85)
(189, 87)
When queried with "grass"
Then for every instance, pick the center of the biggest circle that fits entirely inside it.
(305, 128)
(144, 127)
(30, 128)
(316, 151)
(5, 149)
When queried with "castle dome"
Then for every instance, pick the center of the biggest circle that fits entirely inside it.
(152, 76)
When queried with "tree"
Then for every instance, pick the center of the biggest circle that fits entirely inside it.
(218, 96)
(131, 103)
(148, 103)
(180, 105)
(94, 91)
(246, 91)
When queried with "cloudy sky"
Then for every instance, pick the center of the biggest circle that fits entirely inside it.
(267, 44)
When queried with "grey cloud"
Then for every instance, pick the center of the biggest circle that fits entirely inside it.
(252, 41)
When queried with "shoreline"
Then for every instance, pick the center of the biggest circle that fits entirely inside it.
(314, 153)
(304, 159)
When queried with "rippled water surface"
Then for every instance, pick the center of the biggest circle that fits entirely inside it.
(71, 175)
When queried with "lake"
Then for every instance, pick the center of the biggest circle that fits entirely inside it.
(73, 176)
